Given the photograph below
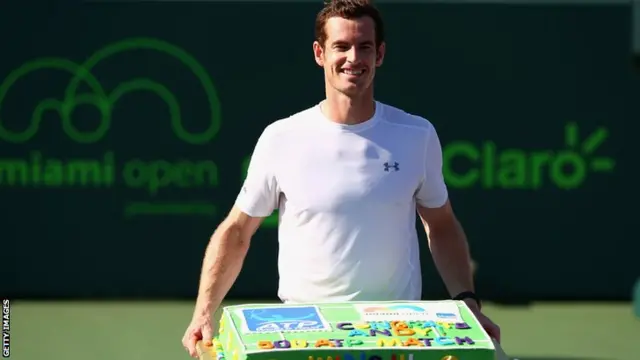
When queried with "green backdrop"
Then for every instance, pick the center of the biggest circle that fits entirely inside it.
(125, 129)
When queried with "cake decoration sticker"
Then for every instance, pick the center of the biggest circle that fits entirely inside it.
(446, 312)
(394, 311)
(283, 319)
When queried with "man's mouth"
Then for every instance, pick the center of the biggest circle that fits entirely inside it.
(352, 72)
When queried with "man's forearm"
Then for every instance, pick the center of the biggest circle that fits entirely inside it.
(221, 266)
(450, 253)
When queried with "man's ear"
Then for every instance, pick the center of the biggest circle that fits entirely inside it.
(380, 54)
(318, 53)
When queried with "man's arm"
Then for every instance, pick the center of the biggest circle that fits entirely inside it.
(223, 259)
(449, 247)
(229, 244)
(447, 241)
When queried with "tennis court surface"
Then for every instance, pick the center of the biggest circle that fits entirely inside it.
(152, 331)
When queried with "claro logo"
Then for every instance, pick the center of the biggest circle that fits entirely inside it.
(43, 169)
(488, 166)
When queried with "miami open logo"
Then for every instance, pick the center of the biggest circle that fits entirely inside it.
(96, 162)
(105, 101)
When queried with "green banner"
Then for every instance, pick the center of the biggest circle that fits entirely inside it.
(124, 138)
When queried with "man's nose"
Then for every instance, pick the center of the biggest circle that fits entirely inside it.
(353, 55)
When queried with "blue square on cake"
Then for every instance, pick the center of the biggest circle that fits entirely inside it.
(281, 319)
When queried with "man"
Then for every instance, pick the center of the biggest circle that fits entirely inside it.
(348, 176)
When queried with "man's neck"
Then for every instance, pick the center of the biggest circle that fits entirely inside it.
(346, 110)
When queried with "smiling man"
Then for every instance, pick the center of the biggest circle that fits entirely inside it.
(348, 176)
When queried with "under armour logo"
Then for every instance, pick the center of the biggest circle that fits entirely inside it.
(395, 166)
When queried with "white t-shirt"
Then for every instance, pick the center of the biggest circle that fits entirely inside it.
(346, 196)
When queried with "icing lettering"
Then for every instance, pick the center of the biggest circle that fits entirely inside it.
(429, 324)
(353, 342)
(357, 333)
(282, 344)
(412, 342)
(381, 342)
(444, 341)
(404, 332)
(398, 325)
(218, 350)
(389, 342)
(336, 343)
(380, 325)
(463, 340)
(298, 344)
(396, 333)
(422, 332)
(385, 332)
(323, 342)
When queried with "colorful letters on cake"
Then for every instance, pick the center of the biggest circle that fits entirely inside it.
(353, 331)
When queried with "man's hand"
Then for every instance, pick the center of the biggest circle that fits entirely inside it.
(200, 328)
(221, 265)
(489, 326)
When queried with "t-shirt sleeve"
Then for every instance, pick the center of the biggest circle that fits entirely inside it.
(432, 192)
(259, 194)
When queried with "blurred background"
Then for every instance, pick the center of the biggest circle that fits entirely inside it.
(113, 179)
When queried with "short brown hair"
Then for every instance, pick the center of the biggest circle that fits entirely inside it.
(348, 9)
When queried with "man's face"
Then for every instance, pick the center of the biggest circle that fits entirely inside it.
(349, 56)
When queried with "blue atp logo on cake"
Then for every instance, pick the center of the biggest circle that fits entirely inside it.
(280, 319)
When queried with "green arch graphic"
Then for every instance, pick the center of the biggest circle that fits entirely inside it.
(104, 102)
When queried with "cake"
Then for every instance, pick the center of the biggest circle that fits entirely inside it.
(424, 330)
